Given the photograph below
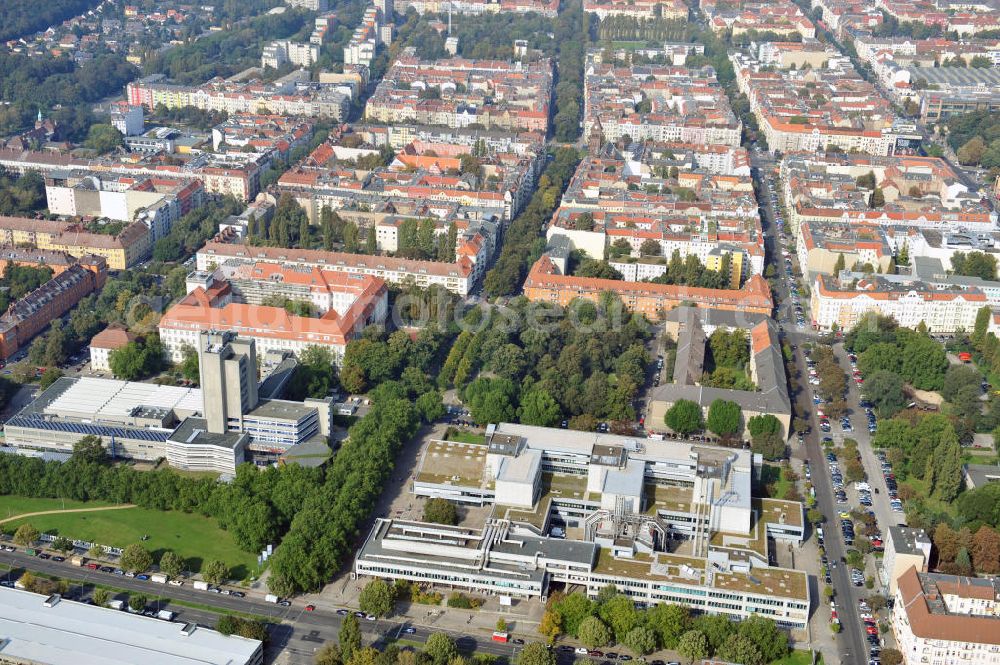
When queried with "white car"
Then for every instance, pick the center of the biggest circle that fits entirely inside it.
(581, 650)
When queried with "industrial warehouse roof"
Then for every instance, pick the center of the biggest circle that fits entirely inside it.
(111, 399)
(69, 633)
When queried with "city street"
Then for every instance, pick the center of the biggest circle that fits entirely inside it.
(851, 644)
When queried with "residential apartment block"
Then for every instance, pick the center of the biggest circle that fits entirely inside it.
(691, 327)
(33, 312)
(456, 277)
(547, 8)
(821, 245)
(121, 251)
(279, 53)
(942, 619)
(284, 97)
(656, 102)
(457, 92)
(941, 310)
(813, 108)
(350, 302)
(663, 522)
(156, 202)
(546, 283)
(742, 16)
(643, 10)
(919, 192)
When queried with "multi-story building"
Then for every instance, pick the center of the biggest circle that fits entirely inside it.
(662, 522)
(121, 251)
(456, 277)
(225, 422)
(918, 192)
(904, 548)
(457, 92)
(314, 5)
(279, 53)
(31, 314)
(821, 245)
(262, 133)
(156, 202)
(941, 310)
(284, 97)
(815, 108)
(643, 10)
(691, 327)
(113, 337)
(546, 283)
(352, 303)
(128, 119)
(739, 17)
(942, 619)
(662, 103)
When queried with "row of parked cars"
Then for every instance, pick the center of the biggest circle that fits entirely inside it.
(895, 503)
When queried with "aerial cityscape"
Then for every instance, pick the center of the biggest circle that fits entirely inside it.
(500, 332)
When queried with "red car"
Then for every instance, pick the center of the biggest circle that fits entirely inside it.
(310, 608)
(871, 630)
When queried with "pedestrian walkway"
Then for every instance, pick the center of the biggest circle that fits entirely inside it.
(65, 510)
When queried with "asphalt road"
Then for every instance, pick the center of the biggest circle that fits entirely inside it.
(851, 643)
(296, 633)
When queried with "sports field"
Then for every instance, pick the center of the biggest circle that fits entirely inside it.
(195, 538)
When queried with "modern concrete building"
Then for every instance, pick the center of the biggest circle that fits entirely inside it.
(663, 521)
(978, 475)
(905, 548)
(213, 428)
(48, 630)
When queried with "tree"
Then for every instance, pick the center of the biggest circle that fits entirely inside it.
(26, 535)
(62, 544)
(594, 633)
(215, 572)
(890, 656)
(584, 222)
(640, 640)
(539, 408)
(839, 265)
(377, 598)
(739, 649)
(573, 609)
(95, 551)
(50, 376)
(716, 627)
(693, 645)
(189, 365)
(669, 622)
(100, 597)
(619, 613)
(815, 516)
(535, 653)
(770, 641)
(650, 247)
(975, 264)
(440, 511)
(171, 564)
(684, 417)
(972, 151)
(724, 417)
(349, 637)
(103, 138)
(884, 389)
(866, 181)
(986, 550)
(136, 558)
(877, 199)
(551, 625)
(137, 602)
(440, 648)
(89, 449)
(763, 424)
(329, 654)
(771, 446)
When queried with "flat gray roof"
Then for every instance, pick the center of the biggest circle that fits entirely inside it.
(276, 409)
(70, 633)
(982, 474)
(194, 431)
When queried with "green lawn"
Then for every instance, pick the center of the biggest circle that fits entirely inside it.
(467, 437)
(797, 657)
(16, 505)
(195, 538)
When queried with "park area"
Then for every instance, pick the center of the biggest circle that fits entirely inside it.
(194, 538)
